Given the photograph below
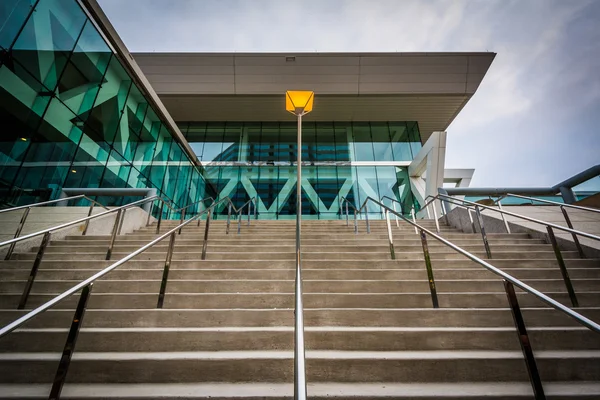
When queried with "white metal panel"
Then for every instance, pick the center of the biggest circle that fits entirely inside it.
(297, 70)
(458, 60)
(188, 70)
(191, 59)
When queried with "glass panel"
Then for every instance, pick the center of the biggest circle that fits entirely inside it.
(213, 146)
(48, 37)
(382, 146)
(13, 14)
(363, 148)
(400, 141)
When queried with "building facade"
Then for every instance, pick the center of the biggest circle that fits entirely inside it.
(77, 110)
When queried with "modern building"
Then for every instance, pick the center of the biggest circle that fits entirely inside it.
(79, 111)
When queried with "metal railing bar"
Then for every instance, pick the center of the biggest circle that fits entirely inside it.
(537, 221)
(548, 300)
(595, 210)
(77, 221)
(81, 196)
(49, 304)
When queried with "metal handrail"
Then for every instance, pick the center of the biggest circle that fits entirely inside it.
(86, 286)
(537, 221)
(595, 210)
(509, 283)
(81, 196)
(28, 208)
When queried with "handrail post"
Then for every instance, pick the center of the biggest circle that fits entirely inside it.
(228, 218)
(444, 211)
(87, 223)
(255, 208)
(431, 281)
(206, 227)
(67, 354)
(471, 219)
(160, 214)
(181, 220)
(412, 213)
(486, 244)
(427, 209)
(390, 238)
(532, 371)
(199, 219)
(121, 221)
(113, 235)
(355, 224)
(150, 213)
(165, 276)
(397, 223)
(503, 217)
(563, 267)
(367, 219)
(347, 217)
(575, 238)
(239, 224)
(34, 269)
(435, 217)
(249, 210)
(18, 232)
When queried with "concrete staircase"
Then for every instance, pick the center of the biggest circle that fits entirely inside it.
(226, 330)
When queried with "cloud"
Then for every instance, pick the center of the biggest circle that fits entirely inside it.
(537, 103)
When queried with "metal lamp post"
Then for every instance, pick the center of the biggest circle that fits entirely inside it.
(299, 103)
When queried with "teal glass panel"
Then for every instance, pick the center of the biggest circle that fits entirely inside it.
(399, 136)
(105, 117)
(382, 146)
(13, 15)
(84, 71)
(116, 174)
(325, 137)
(288, 139)
(363, 143)
(344, 151)
(47, 39)
(414, 138)
(213, 145)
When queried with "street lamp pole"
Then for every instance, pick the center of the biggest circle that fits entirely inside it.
(299, 103)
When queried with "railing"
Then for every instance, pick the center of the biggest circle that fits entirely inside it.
(394, 201)
(509, 283)
(28, 208)
(550, 227)
(86, 288)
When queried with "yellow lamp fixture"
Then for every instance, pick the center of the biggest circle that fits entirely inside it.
(299, 102)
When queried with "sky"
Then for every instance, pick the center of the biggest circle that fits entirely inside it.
(534, 120)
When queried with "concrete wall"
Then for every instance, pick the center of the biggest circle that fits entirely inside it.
(42, 218)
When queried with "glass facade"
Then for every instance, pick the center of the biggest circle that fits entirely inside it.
(71, 116)
(340, 159)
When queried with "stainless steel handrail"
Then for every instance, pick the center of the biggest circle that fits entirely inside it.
(15, 324)
(28, 208)
(86, 286)
(81, 196)
(238, 211)
(509, 283)
(594, 210)
(537, 221)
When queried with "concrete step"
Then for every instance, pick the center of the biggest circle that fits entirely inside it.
(282, 338)
(427, 317)
(322, 366)
(417, 264)
(306, 248)
(245, 241)
(564, 390)
(367, 256)
(343, 235)
(126, 273)
(285, 300)
(287, 286)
